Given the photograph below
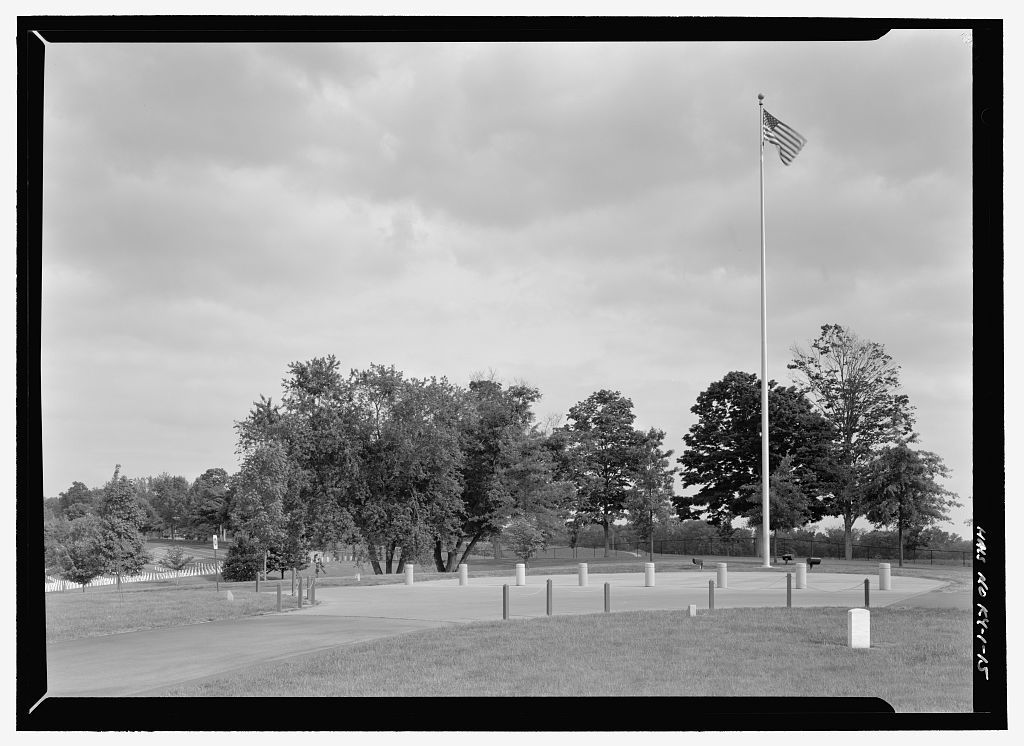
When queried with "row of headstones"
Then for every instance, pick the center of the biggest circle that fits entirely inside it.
(200, 569)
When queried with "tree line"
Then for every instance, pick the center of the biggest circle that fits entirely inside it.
(423, 470)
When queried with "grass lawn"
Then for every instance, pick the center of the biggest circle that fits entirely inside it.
(919, 660)
(102, 611)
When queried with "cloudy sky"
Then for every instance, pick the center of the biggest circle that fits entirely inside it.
(577, 216)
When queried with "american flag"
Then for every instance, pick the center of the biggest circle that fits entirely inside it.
(782, 136)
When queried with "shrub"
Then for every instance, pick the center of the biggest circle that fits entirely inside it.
(243, 562)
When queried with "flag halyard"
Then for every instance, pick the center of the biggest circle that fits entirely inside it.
(782, 136)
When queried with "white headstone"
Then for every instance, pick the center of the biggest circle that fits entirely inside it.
(463, 574)
(408, 574)
(648, 574)
(692, 608)
(723, 575)
(583, 573)
(858, 633)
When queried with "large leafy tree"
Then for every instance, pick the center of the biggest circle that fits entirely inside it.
(650, 501)
(854, 385)
(506, 468)
(123, 543)
(408, 496)
(723, 448)
(602, 455)
(169, 497)
(208, 503)
(75, 550)
(903, 491)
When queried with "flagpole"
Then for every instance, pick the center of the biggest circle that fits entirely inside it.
(764, 358)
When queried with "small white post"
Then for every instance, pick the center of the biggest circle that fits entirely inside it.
(520, 574)
(692, 609)
(408, 573)
(648, 574)
(583, 573)
(463, 574)
(858, 633)
(801, 575)
(884, 577)
(723, 575)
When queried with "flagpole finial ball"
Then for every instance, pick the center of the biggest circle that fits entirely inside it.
(760, 97)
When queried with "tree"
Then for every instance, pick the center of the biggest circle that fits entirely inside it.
(506, 467)
(601, 457)
(175, 559)
(123, 543)
(789, 505)
(524, 538)
(903, 491)
(854, 385)
(76, 494)
(78, 554)
(208, 503)
(723, 448)
(169, 497)
(649, 503)
(244, 560)
(261, 486)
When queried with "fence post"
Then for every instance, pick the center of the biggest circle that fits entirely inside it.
(278, 596)
(504, 601)
(607, 597)
(550, 599)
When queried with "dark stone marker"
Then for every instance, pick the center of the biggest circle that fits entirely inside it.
(867, 594)
(278, 596)
(504, 601)
(607, 596)
(711, 594)
(789, 590)
(550, 599)
(300, 591)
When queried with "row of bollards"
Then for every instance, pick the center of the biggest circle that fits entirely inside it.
(722, 575)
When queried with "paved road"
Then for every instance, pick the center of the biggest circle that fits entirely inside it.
(148, 662)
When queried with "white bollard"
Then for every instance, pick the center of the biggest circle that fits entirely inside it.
(408, 573)
(463, 574)
(648, 575)
(801, 575)
(583, 573)
(858, 633)
(723, 575)
(520, 574)
(692, 609)
(884, 577)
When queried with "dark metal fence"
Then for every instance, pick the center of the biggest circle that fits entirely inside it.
(748, 547)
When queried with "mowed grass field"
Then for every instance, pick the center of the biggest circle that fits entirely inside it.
(919, 660)
(104, 611)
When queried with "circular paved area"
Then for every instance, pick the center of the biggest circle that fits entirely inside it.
(147, 663)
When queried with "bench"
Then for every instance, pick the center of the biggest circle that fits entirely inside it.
(788, 558)
(699, 563)
(812, 561)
